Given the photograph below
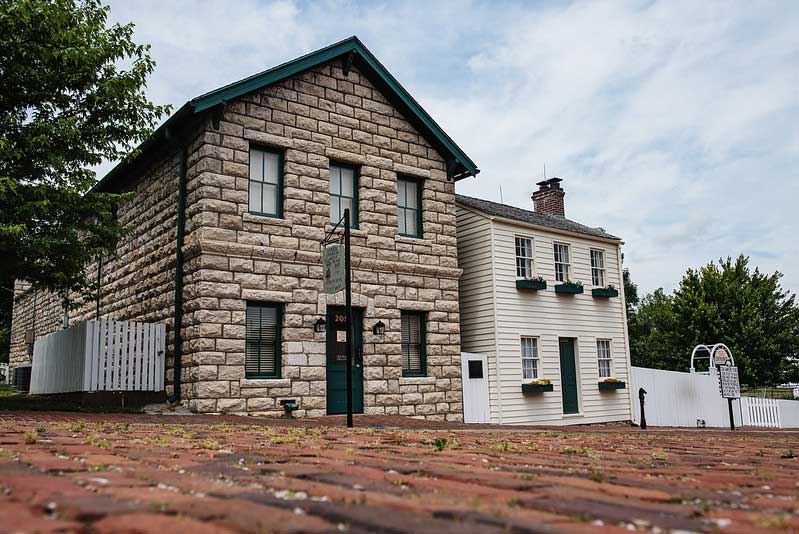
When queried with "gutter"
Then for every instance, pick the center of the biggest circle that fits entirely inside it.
(179, 239)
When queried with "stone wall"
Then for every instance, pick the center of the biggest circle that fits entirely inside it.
(137, 284)
(317, 117)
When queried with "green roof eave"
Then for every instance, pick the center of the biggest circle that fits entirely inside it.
(459, 164)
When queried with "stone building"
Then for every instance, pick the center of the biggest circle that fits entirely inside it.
(232, 196)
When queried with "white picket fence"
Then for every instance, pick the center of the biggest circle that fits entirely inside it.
(762, 412)
(100, 355)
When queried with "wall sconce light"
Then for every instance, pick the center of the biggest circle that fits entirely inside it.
(379, 328)
(319, 326)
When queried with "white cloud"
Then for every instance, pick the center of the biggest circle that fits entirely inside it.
(673, 123)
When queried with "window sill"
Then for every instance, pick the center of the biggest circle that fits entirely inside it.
(265, 219)
(414, 240)
(416, 380)
(265, 383)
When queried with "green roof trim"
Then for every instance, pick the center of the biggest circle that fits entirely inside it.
(458, 163)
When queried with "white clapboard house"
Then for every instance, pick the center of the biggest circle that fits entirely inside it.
(542, 310)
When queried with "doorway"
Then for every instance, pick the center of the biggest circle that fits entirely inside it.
(568, 376)
(337, 361)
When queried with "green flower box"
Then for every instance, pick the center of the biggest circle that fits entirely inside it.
(604, 293)
(535, 285)
(568, 289)
(536, 388)
(609, 386)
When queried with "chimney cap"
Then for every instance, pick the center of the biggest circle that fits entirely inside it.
(552, 183)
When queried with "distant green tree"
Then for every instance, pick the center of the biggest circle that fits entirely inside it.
(631, 298)
(654, 338)
(71, 96)
(725, 302)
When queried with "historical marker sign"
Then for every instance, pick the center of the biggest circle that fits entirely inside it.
(333, 268)
(728, 378)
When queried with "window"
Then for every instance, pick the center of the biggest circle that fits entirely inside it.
(409, 207)
(524, 257)
(562, 265)
(413, 349)
(343, 193)
(266, 182)
(262, 346)
(529, 358)
(598, 267)
(604, 358)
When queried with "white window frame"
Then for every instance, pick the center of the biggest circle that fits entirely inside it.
(604, 354)
(532, 356)
(567, 263)
(531, 258)
(598, 272)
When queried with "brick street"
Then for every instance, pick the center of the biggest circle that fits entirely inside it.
(62, 472)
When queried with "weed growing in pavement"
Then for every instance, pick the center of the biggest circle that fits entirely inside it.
(207, 444)
(439, 444)
(788, 455)
(41, 429)
(660, 456)
(30, 438)
(597, 475)
(76, 427)
(503, 446)
(6, 453)
(97, 442)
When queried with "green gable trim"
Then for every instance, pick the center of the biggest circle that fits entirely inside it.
(459, 165)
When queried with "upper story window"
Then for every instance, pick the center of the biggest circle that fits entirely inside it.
(262, 341)
(266, 182)
(524, 257)
(343, 193)
(562, 262)
(598, 267)
(529, 358)
(413, 344)
(409, 207)
(604, 358)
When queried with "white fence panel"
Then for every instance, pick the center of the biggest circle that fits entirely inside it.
(789, 413)
(679, 399)
(760, 412)
(100, 356)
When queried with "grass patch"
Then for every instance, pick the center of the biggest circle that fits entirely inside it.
(439, 444)
(6, 390)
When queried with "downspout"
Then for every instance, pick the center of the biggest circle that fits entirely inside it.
(99, 280)
(178, 320)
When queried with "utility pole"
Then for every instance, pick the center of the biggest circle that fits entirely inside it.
(348, 307)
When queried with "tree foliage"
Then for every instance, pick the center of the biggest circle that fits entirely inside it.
(725, 302)
(71, 96)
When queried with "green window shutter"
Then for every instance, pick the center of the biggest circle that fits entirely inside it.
(265, 182)
(413, 344)
(262, 346)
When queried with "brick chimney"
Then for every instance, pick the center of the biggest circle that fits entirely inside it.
(549, 198)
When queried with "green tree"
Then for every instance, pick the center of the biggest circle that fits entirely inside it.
(725, 302)
(631, 298)
(654, 338)
(71, 96)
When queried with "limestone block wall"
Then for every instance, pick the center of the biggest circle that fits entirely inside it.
(317, 117)
(137, 283)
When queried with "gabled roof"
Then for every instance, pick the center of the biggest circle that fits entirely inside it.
(512, 213)
(459, 164)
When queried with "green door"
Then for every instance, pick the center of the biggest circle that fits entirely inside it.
(568, 376)
(337, 362)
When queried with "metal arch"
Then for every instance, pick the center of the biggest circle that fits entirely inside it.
(711, 350)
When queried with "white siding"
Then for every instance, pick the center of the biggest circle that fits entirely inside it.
(476, 289)
(543, 314)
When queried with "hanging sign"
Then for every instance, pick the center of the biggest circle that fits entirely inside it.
(721, 357)
(333, 268)
(728, 380)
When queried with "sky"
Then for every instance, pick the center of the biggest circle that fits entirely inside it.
(675, 125)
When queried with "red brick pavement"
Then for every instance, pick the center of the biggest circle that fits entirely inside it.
(62, 472)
